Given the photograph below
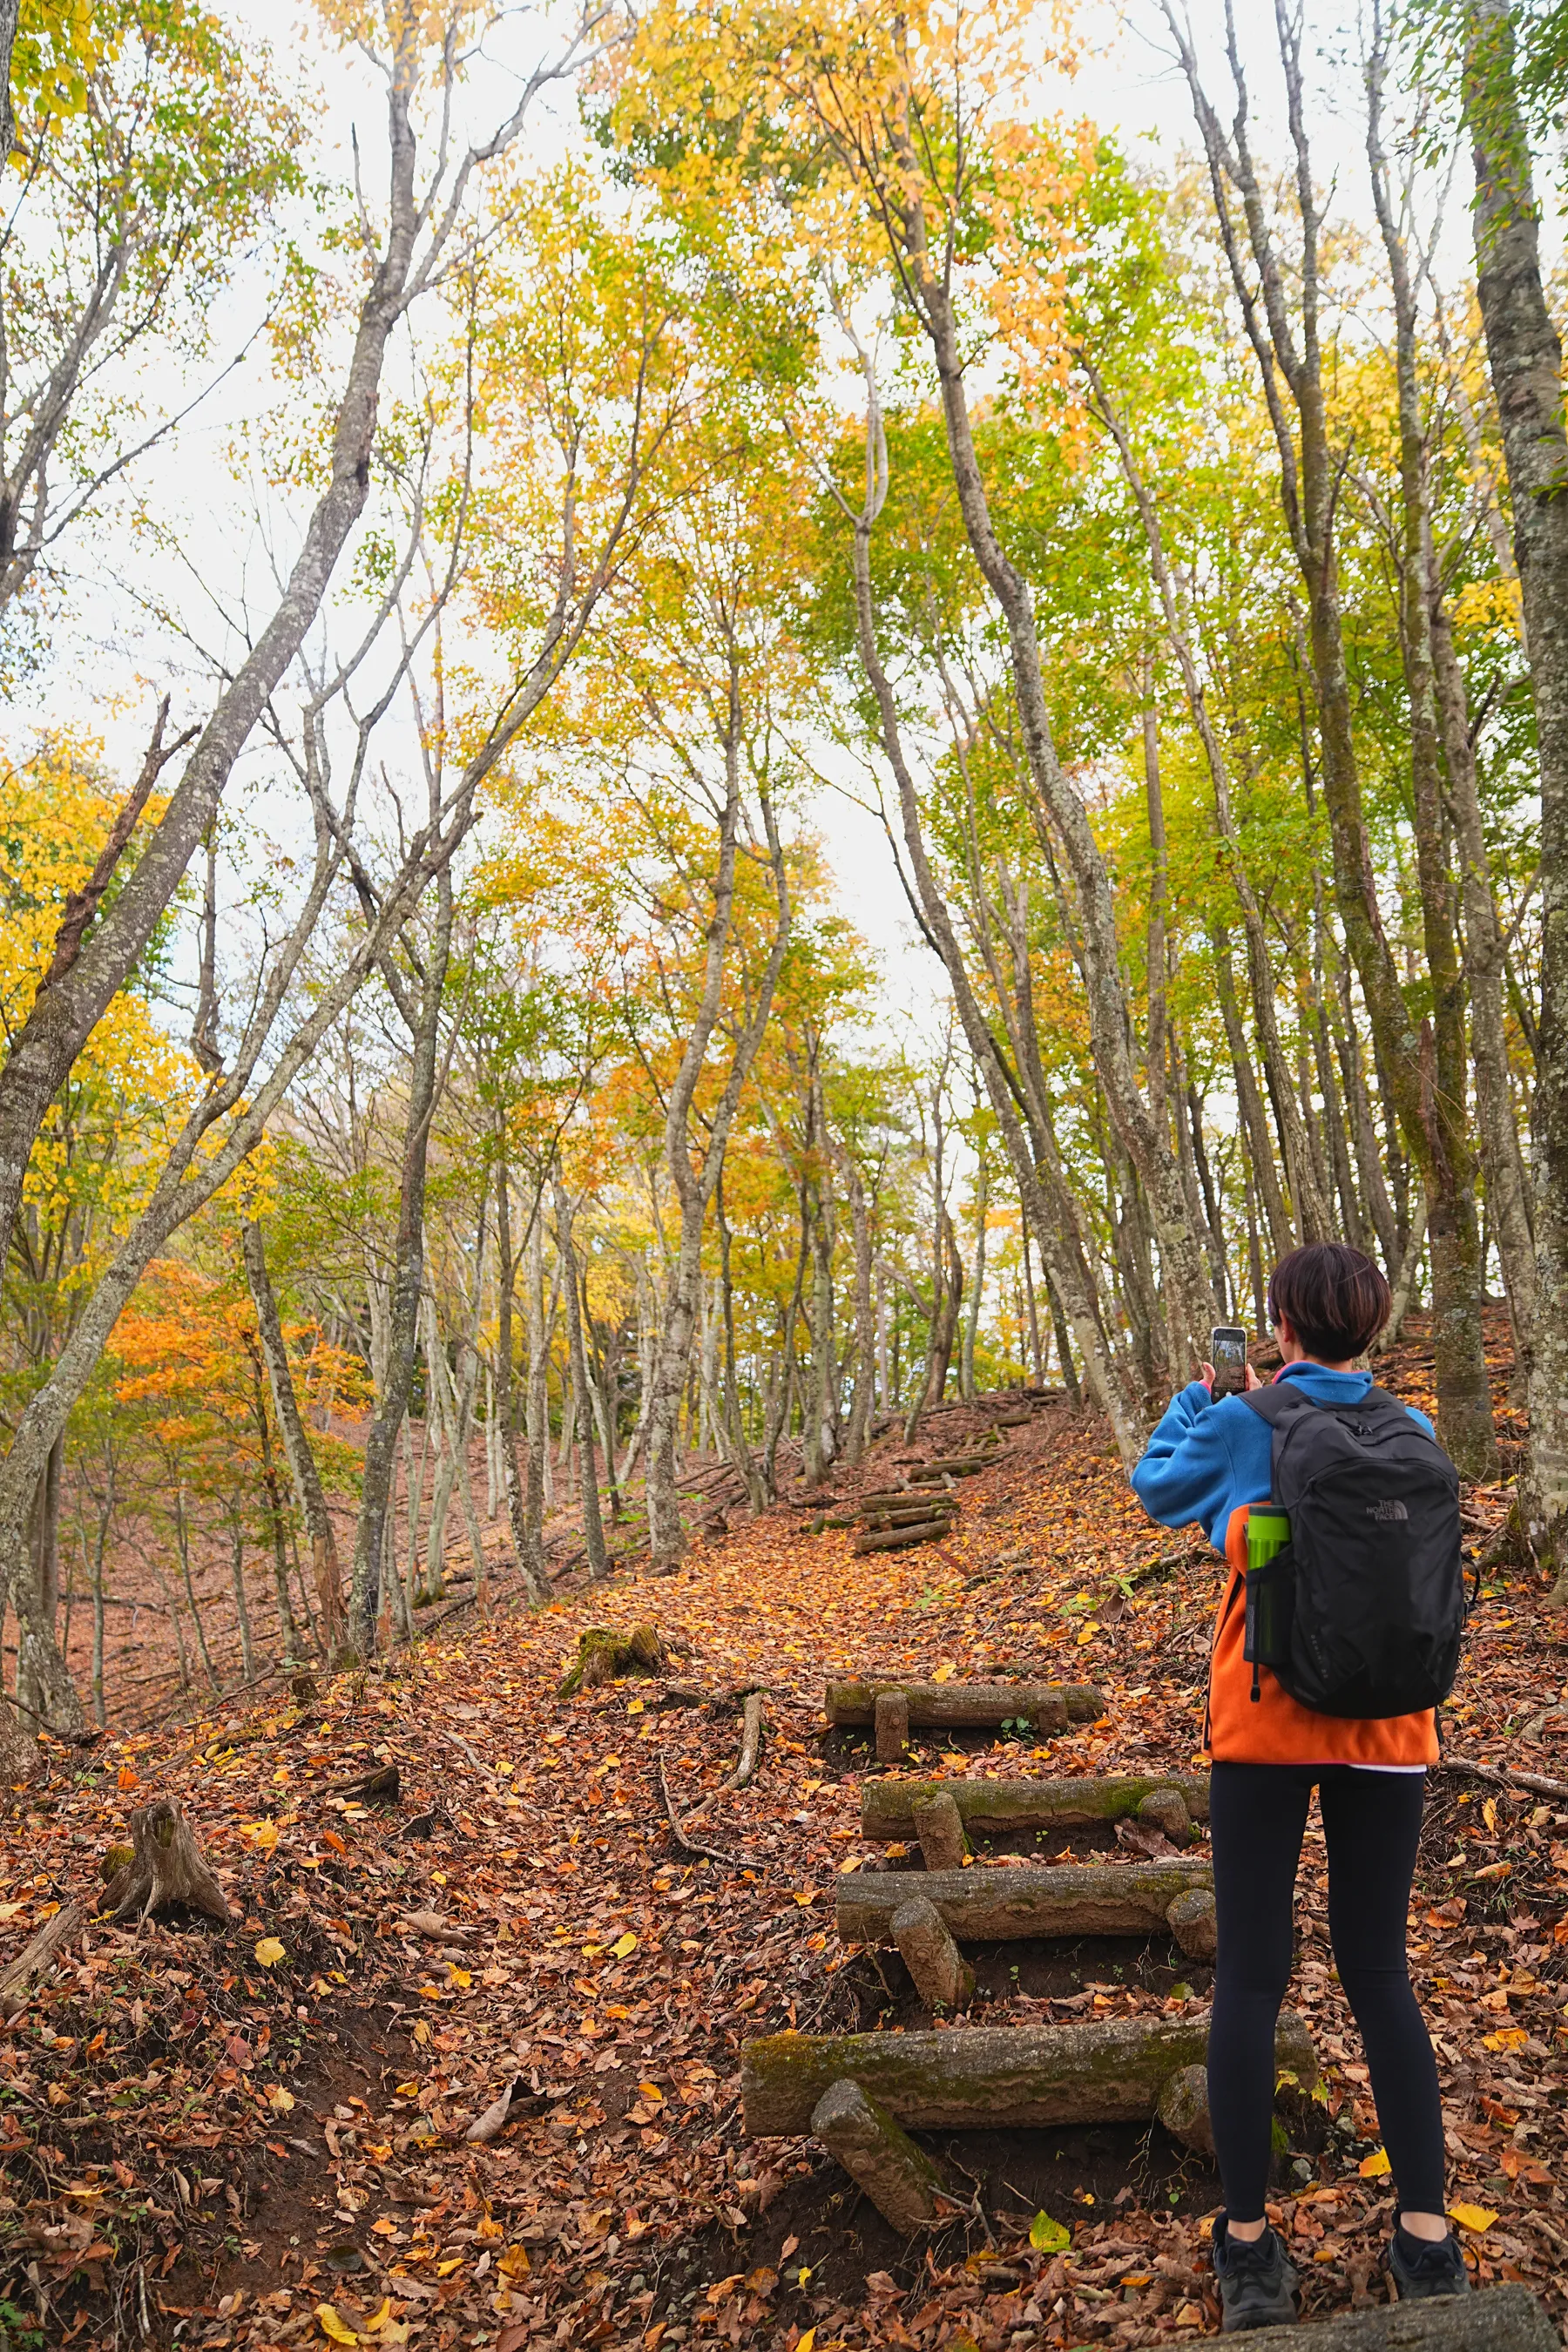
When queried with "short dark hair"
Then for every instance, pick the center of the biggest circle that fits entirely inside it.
(1334, 1299)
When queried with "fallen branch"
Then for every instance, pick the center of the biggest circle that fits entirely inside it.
(751, 1743)
(690, 1845)
(37, 1957)
(1537, 1784)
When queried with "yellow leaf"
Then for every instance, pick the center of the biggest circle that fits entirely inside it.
(625, 1946)
(1488, 1813)
(514, 2262)
(332, 2327)
(651, 2092)
(280, 2101)
(461, 1977)
(269, 1951)
(445, 2270)
(1373, 2167)
(806, 1895)
(1511, 2037)
(382, 2326)
(636, 1707)
(1048, 2237)
(945, 1672)
(1088, 1633)
(807, 2342)
(407, 2091)
(429, 1992)
(1472, 2217)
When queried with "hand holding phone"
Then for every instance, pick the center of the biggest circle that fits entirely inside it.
(1227, 1346)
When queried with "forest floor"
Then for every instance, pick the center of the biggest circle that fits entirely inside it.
(255, 2136)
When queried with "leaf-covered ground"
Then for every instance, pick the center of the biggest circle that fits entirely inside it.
(211, 2141)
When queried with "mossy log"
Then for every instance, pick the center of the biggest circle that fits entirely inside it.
(903, 1515)
(892, 1719)
(166, 1867)
(1184, 2109)
(939, 1825)
(991, 1904)
(1046, 1707)
(902, 1538)
(879, 2157)
(1496, 2319)
(986, 2077)
(994, 1808)
(942, 1977)
(604, 1656)
(961, 1467)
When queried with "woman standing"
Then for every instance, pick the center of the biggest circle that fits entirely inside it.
(1209, 1460)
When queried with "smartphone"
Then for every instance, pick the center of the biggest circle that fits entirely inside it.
(1228, 1354)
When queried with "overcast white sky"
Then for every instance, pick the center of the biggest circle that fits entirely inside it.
(1125, 82)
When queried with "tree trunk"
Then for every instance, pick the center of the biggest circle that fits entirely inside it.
(1002, 1808)
(996, 1903)
(407, 1281)
(303, 1466)
(524, 1543)
(1458, 1273)
(587, 1471)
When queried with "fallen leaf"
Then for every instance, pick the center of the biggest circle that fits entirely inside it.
(1510, 2037)
(332, 2327)
(625, 1946)
(651, 2092)
(269, 1951)
(1373, 2167)
(1048, 2237)
(280, 2101)
(1472, 2217)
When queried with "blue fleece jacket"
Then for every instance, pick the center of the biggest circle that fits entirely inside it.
(1208, 1454)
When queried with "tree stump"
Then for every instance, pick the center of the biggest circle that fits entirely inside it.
(36, 1956)
(604, 1656)
(1184, 2109)
(939, 1825)
(1192, 1923)
(890, 1715)
(878, 2155)
(166, 1867)
(943, 1979)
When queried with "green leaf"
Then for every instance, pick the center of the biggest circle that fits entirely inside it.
(1048, 2237)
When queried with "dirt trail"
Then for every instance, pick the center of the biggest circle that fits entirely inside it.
(213, 2142)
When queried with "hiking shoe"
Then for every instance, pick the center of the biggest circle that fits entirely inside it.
(1257, 2283)
(1420, 2267)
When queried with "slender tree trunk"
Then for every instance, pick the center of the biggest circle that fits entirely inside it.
(1254, 1120)
(303, 1466)
(1448, 1167)
(977, 1284)
(44, 1566)
(1507, 1181)
(524, 1542)
(241, 1607)
(587, 1471)
(866, 1341)
(408, 1282)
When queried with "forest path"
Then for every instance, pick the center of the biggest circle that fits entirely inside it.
(239, 2147)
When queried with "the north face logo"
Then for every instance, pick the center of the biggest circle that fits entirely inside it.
(1386, 1510)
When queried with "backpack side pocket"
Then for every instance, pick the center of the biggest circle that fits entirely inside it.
(1270, 1614)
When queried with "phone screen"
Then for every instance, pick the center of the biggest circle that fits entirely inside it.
(1228, 1342)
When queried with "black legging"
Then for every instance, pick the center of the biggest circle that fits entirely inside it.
(1371, 1822)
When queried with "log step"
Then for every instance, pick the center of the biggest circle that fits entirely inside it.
(992, 1808)
(1493, 2319)
(983, 2077)
(1045, 1706)
(991, 1904)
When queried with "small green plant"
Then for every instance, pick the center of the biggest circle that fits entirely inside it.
(17, 2333)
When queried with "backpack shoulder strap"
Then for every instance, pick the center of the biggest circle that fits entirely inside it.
(1377, 1396)
(1273, 1404)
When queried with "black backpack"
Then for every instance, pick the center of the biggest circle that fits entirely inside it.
(1362, 1613)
